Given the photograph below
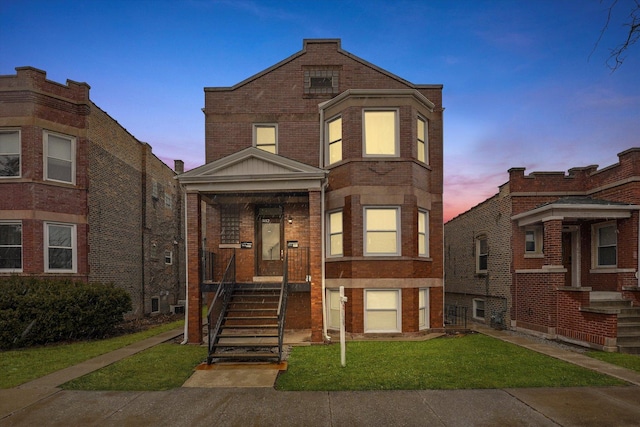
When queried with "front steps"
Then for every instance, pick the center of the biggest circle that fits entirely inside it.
(628, 332)
(249, 330)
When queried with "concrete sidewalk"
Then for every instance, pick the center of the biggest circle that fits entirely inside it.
(41, 402)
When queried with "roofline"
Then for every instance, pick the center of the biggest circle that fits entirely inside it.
(351, 93)
(305, 42)
(563, 210)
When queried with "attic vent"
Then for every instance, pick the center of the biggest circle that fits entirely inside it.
(321, 82)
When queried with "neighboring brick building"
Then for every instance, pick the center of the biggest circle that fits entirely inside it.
(556, 253)
(337, 163)
(81, 197)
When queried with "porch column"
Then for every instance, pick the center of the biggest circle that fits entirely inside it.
(315, 258)
(193, 232)
(553, 242)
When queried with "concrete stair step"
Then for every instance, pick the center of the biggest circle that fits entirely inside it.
(629, 348)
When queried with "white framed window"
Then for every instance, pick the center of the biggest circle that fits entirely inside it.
(382, 310)
(334, 140)
(265, 137)
(422, 140)
(478, 309)
(423, 308)
(11, 246)
(334, 229)
(605, 242)
(59, 154)
(423, 233)
(333, 308)
(482, 254)
(168, 257)
(380, 130)
(533, 240)
(382, 236)
(10, 147)
(60, 248)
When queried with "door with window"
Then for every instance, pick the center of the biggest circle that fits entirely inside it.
(270, 235)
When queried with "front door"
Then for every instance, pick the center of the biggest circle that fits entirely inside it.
(269, 232)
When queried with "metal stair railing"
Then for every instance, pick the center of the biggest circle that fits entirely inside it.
(220, 301)
(282, 304)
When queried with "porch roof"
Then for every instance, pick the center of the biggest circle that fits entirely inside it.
(253, 169)
(575, 207)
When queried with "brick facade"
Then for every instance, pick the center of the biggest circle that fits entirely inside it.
(283, 96)
(108, 201)
(551, 290)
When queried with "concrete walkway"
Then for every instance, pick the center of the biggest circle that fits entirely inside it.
(42, 402)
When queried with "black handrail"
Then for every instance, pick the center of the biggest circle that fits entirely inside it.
(282, 304)
(221, 299)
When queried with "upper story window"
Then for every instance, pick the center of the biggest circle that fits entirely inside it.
(422, 140)
(59, 152)
(265, 137)
(423, 233)
(605, 238)
(380, 133)
(382, 236)
(11, 246)
(60, 248)
(482, 254)
(334, 140)
(9, 153)
(533, 241)
(168, 201)
(168, 257)
(335, 233)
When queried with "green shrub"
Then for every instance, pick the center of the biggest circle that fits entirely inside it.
(36, 311)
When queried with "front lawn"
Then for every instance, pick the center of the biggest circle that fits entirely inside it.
(466, 362)
(629, 361)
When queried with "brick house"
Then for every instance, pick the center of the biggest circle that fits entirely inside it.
(335, 165)
(554, 254)
(81, 197)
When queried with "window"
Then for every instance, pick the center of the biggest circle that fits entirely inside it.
(9, 153)
(333, 308)
(478, 309)
(168, 201)
(422, 141)
(380, 133)
(334, 140)
(265, 137)
(229, 224)
(59, 153)
(423, 308)
(482, 252)
(423, 233)
(606, 243)
(60, 248)
(155, 304)
(381, 231)
(382, 311)
(11, 246)
(154, 189)
(168, 257)
(533, 240)
(335, 234)
(321, 82)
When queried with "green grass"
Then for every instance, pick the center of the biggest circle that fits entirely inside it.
(162, 367)
(468, 362)
(629, 361)
(20, 366)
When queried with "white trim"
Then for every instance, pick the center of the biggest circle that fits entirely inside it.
(74, 248)
(475, 308)
(595, 244)
(45, 153)
(397, 230)
(19, 153)
(427, 237)
(397, 309)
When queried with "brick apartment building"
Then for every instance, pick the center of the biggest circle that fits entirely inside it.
(336, 165)
(555, 255)
(81, 197)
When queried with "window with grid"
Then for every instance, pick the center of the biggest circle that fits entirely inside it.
(334, 140)
(60, 247)
(482, 254)
(382, 310)
(382, 231)
(229, 224)
(606, 243)
(60, 155)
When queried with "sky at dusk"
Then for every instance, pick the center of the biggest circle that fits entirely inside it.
(524, 83)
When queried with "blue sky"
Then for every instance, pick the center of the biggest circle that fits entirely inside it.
(523, 85)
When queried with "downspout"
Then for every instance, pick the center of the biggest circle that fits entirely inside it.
(186, 270)
(322, 231)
